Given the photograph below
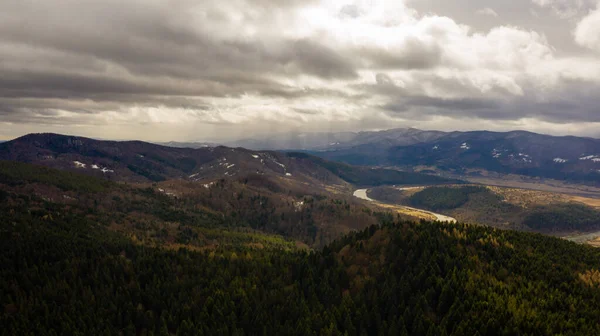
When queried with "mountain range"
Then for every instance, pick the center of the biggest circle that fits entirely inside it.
(523, 153)
(83, 255)
(322, 141)
(137, 161)
(567, 158)
(294, 194)
(181, 241)
(339, 140)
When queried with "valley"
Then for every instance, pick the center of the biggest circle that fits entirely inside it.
(587, 192)
(299, 168)
(198, 198)
(419, 213)
(477, 154)
(291, 180)
(57, 254)
(217, 238)
(573, 217)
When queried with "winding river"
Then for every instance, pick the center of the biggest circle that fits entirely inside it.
(362, 194)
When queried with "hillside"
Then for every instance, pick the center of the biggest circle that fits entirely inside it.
(505, 208)
(523, 153)
(222, 254)
(338, 140)
(136, 161)
(185, 213)
(64, 274)
(573, 159)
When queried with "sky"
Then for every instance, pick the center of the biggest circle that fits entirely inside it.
(188, 70)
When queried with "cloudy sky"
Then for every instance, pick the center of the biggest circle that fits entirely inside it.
(212, 69)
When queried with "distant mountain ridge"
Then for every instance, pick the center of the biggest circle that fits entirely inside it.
(525, 153)
(566, 158)
(518, 152)
(137, 161)
(323, 141)
(179, 144)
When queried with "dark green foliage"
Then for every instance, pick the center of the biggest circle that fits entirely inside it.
(498, 152)
(469, 280)
(67, 276)
(444, 198)
(186, 164)
(364, 176)
(481, 205)
(152, 176)
(16, 173)
(564, 217)
(250, 211)
(65, 273)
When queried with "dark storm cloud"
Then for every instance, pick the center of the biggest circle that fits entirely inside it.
(71, 61)
(306, 112)
(416, 107)
(115, 49)
(322, 61)
(384, 86)
(27, 83)
(460, 104)
(576, 102)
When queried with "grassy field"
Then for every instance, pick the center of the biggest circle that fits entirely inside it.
(553, 213)
(483, 177)
(546, 185)
(404, 211)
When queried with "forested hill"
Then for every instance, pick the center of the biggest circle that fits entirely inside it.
(137, 161)
(241, 210)
(569, 158)
(64, 274)
(501, 208)
(86, 256)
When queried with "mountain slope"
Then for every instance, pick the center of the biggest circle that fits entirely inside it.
(503, 208)
(66, 276)
(186, 213)
(339, 140)
(124, 161)
(524, 153)
(136, 161)
(84, 255)
(178, 144)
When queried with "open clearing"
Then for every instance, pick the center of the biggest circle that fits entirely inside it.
(552, 186)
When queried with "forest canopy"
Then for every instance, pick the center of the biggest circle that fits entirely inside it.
(135, 261)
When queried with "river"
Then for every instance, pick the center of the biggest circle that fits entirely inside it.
(362, 194)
